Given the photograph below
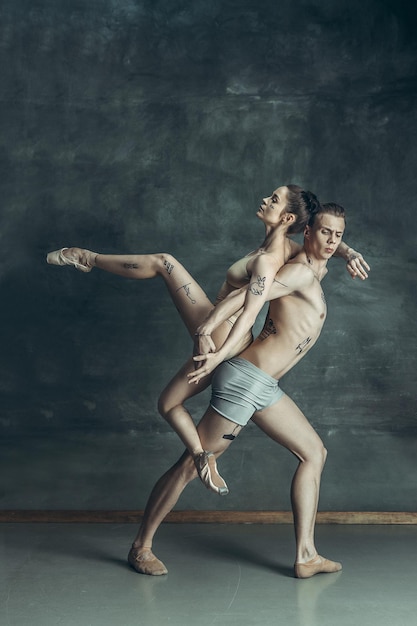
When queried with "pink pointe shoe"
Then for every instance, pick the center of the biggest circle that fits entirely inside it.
(206, 466)
(57, 258)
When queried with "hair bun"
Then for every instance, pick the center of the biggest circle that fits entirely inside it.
(312, 202)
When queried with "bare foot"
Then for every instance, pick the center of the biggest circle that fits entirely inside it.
(318, 565)
(144, 561)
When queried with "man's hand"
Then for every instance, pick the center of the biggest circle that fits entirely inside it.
(356, 265)
(205, 364)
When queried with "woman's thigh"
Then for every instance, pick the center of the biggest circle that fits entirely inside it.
(189, 298)
(288, 426)
(178, 390)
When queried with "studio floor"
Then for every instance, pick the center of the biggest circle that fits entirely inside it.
(77, 575)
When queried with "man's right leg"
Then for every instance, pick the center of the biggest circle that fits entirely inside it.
(169, 487)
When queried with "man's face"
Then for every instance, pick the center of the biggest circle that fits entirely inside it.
(325, 235)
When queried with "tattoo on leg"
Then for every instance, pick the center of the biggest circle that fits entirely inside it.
(232, 436)
(303, 345)
(168, 266)
(130, 266)
(187, 292)
(258, 286)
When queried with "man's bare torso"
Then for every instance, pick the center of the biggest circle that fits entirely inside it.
(292, 327)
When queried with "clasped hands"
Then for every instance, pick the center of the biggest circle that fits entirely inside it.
(205, 358)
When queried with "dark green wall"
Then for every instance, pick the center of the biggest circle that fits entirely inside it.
(139, 126)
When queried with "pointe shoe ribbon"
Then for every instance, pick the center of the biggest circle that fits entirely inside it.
(57, 258)
(318, 565)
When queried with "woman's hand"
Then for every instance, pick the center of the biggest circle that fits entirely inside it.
(205, 364)
(356, 265)
(203, 344)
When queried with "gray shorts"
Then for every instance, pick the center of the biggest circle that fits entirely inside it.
(239, 389)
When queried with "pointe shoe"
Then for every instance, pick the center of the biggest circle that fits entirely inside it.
(206, 465)
(144, 561)
(57, 258)
(318, 565)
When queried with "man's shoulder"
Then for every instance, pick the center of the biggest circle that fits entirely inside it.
(297, 273)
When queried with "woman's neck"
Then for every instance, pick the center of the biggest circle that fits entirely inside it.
(274, 238)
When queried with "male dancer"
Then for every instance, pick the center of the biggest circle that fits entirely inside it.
(246, 387)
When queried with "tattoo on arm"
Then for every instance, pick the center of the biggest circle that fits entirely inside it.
(258, 286)
(168, 266)
(131, 266)
(187, 292)
(303, 345)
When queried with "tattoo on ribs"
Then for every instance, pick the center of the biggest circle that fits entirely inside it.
(258, 286)
(187, 292)
(268, 329)
(131, 266)
(303, 345)
(168, 266)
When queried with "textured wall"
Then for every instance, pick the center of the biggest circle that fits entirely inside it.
(144, 126)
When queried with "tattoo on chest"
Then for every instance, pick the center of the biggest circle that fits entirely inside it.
(268, 329)
(168, 266)
(187, 292)
(303, 345)
(130, 266)
(258, 286)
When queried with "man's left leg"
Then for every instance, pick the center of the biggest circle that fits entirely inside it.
(286, 424)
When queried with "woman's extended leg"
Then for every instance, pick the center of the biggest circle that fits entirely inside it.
(286, 424)
(169, 487)
(189, 298)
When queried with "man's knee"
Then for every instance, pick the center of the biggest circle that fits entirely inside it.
(317, 454)
(186, 467)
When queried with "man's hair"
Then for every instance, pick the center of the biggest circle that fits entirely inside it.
(303, 204)
(329, 208)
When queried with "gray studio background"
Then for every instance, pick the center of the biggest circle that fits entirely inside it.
(139, 126)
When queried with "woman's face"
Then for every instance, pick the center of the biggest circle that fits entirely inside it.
(273, 208)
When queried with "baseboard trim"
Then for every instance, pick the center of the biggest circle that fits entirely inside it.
(206, 517)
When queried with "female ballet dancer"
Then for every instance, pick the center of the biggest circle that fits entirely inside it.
(285, 212)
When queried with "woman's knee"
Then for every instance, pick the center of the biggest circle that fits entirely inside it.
(166, 405)
(165, 263)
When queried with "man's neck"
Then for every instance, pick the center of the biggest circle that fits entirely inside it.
(317, 266)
